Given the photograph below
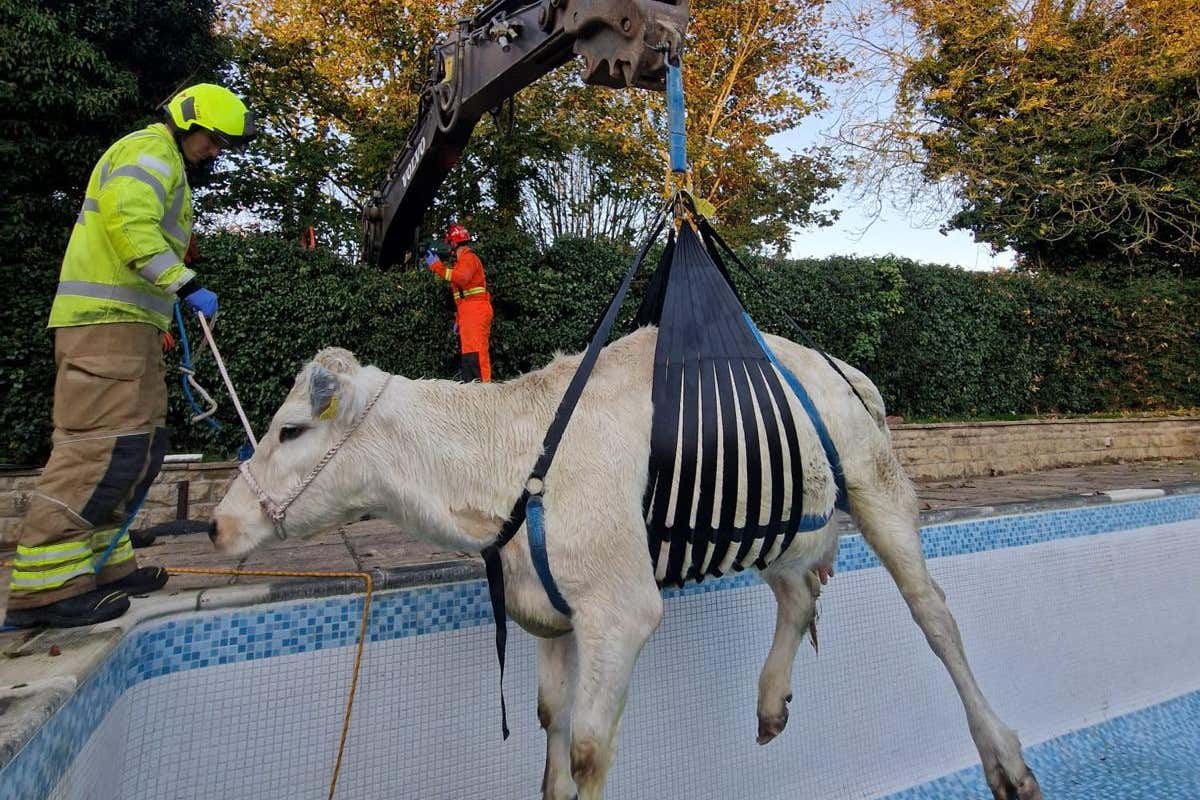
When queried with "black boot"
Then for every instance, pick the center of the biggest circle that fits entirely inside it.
(98, 605)
(141, 581)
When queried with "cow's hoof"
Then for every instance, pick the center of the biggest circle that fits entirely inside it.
(770, 726)
(1026, 788)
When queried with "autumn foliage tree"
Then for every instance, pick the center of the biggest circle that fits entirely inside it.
(1065, 129)
(339, 81)
(335, 84)
(755, 69)
(752, 69)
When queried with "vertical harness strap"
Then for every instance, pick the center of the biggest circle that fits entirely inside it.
(708, 232)
(831, 453)
(535, 482)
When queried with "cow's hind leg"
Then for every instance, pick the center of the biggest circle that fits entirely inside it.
(556, 687)
(886, 513)
(796, 590)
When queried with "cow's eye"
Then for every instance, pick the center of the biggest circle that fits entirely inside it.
(289, 432)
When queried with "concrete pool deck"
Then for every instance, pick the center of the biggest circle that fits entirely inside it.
(39, 670)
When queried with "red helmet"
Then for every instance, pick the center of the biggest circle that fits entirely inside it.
(457, 234)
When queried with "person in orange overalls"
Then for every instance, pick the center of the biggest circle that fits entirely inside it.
(473, 318)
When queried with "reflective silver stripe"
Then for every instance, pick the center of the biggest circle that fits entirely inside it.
(151, 162)
(88, 205)
(139, 174)
(158, 264)
(122, 294)
(19, 581)
(79, 551)
(170, 220)
(104, 173)
(186, 276)
(120, 554)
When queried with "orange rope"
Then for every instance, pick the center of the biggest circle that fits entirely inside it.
(368, 588)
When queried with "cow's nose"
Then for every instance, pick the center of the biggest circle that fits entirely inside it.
(212, 531)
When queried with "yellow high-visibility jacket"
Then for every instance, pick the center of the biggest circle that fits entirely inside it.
(124, 262)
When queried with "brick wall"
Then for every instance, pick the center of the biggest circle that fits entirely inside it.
(929, 452)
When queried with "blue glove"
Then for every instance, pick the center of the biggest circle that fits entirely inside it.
(430, 258)
(203, 301)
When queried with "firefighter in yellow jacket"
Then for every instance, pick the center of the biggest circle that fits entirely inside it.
(122, 272)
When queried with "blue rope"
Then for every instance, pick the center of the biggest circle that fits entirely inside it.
(186, 362)
(98, 565)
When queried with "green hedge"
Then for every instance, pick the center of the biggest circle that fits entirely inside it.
(939, 342)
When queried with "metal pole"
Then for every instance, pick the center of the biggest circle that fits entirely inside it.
(225, 377)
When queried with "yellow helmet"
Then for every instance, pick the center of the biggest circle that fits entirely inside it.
(215, 109)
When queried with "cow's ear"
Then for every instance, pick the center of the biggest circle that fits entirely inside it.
(323, 390)
(337, 359)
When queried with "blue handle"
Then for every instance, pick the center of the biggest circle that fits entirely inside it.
(676, 117)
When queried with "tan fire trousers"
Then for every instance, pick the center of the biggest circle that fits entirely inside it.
(110, 407)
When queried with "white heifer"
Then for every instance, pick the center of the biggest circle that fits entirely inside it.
(447, 460)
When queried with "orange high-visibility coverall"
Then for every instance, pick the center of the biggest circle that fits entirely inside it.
(474, 312)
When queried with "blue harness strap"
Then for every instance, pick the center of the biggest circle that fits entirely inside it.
(535, 522)
(831, 453)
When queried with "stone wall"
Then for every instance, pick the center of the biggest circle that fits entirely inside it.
(929, 452)
(967, 449)
(205, 485)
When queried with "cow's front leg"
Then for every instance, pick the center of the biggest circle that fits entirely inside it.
(556, 686)
(609, 635)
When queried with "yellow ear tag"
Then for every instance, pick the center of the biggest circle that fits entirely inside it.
(330, 410)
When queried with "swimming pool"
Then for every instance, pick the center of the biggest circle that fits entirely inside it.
(1083, 626)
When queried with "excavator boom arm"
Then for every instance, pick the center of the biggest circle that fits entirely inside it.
(504, 48)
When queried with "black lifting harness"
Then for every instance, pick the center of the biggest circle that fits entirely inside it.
(717, 391)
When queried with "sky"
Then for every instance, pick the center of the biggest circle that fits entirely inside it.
(859, 231)
(895, 232)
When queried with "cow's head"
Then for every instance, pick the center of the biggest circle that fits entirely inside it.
(324, 405)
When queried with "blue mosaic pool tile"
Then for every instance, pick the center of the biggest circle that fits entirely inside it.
(35, 771)
(1109, 761)
(1020, 530)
